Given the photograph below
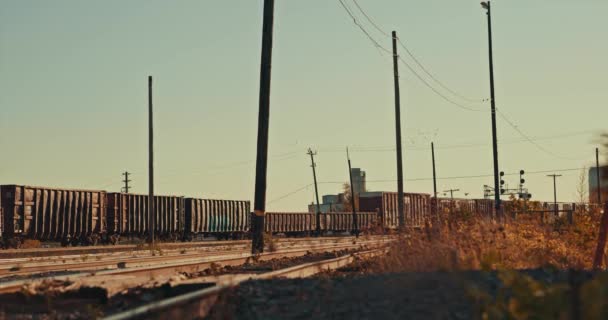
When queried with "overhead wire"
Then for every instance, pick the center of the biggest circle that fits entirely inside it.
(537, 145)
(424, 179)
(415, 59)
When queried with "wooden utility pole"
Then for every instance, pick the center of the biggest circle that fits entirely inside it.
(314, 176)
(125, 189)
(435, 203)
(400, 206)
(151, 209)
(554, 176)
(497, 204)
(261, 164)
(352, 196)
(598, 177)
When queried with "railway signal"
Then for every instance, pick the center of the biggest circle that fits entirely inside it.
(502, 183)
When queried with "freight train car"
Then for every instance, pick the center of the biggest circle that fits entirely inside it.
(416, 207)
(474, 206)
(305, 223)
(219, 218)
(128, 215)
(343, 221)
(69, 216)
(291, 223)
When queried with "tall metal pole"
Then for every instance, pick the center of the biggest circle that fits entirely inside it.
(352, 197)
(434, 181)
(398, 134)
(554, 192)
(151, 209)
(598, 177)
(314, 176)
(497, 204)
(261, 165)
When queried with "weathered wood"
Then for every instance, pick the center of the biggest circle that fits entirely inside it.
(601, 241)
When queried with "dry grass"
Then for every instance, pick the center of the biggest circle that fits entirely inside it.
(468, 242)
(463, 241)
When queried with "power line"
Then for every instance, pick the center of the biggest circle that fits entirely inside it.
(540, 147)
(289, 194)
(423, 179)
(462, 106)
(356, 22)
(407, 50)
(437, 80)
(371, 21)
(414, 147)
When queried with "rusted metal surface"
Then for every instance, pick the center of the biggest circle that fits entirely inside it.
(128, 215)
(52, 214)
(417, 207)
(343, 221)
(289, 222)
(216, 216)
(304, 222)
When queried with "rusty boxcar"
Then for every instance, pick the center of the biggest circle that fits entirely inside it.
(128, 215)
(290, 223)
(416, 207)
(220, 218)
(69, 216)
(343, 221)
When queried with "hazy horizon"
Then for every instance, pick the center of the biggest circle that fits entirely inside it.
(73, 108)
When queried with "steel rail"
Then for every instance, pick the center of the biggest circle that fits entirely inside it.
(304, 270)
(184, 266)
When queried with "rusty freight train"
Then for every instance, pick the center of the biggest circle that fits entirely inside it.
(73, 216)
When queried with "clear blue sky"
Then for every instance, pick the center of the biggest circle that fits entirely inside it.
(73, 97)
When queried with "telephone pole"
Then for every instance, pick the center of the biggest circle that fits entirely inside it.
(554, 176)
(261, 164)
(398, 133)
(598, 177)
(486, 5)
(451, 191)
(125, 189)
(352, 197)
(434, 180)
(314, 176)
(151, 209)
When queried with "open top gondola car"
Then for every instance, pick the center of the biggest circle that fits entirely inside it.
(416, 207)
(218, 218)
(66, 215)
(128, 216)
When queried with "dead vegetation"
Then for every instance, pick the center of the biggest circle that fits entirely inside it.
(507, 252)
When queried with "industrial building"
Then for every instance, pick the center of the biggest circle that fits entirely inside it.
(334, 202)
(593, 184)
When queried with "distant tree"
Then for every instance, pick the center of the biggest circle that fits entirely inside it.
(346, 198)
(582, 192)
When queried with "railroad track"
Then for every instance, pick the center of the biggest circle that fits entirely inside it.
(33, 266)
(156, 267)
(197, 304)
(90, 250)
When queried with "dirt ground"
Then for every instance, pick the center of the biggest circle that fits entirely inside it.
(342, 295)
